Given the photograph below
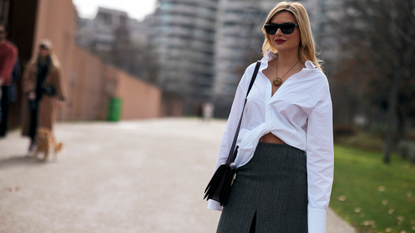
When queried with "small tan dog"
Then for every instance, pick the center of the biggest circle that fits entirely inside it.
(46, 141)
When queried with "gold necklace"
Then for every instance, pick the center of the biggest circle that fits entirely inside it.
(278, 81)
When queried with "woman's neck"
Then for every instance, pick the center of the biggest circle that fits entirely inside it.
(287, 58)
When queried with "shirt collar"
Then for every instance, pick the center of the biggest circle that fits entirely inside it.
(309, 64)
(269, 56)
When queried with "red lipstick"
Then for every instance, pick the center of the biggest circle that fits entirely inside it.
(279, 41)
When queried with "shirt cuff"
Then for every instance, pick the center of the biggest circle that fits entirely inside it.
(316, 221)
(214, 205)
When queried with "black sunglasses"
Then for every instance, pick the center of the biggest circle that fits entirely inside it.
(286, 28)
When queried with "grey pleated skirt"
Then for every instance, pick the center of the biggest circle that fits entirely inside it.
(269, 193)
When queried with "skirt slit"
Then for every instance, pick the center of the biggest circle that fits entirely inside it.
(253, 224)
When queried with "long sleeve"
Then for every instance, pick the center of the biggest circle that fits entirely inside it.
(58, 84)
(6, 69)
(230, 129)
(320, 161)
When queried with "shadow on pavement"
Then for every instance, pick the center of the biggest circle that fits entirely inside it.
(19, 161)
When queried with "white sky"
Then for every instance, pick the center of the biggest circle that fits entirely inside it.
(137, 9)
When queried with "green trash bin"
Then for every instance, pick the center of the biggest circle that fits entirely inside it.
(114, 110)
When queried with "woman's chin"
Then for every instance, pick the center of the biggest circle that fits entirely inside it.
(284, 48)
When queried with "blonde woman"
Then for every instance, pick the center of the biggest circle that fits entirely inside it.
(284, 165)
(42, 88)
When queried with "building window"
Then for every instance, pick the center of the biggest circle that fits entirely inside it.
(165, 18)
(105, 18)
(123, 21)
(165, 6)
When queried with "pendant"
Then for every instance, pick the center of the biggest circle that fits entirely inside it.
(277, 81)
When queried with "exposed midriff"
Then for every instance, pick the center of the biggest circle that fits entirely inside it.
(271, 138)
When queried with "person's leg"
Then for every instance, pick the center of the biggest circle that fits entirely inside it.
(5, 111)
(33, 127)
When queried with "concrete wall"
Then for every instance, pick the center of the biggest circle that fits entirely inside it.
(140, 100)
(91, 83)
(85, 81)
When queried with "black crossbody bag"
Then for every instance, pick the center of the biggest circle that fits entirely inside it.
(221, 182)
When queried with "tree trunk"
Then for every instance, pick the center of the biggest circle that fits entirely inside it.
(352, 110)
(391, 116)
(401, 123)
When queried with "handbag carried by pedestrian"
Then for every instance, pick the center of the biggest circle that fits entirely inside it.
(221, 182)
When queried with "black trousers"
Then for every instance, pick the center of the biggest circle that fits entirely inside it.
(5, 103)
(33, 109)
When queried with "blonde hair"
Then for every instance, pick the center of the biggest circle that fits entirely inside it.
(306, 48)
(47, 44)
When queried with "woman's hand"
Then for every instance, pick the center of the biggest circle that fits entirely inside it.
(31, 95)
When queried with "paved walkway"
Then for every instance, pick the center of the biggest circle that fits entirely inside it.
(143, 176)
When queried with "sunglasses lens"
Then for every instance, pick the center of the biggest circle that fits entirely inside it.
(271, 29)
(287, 29)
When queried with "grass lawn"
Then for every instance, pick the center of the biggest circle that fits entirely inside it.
(372, 196)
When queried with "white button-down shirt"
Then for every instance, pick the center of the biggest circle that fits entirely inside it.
(300, 114)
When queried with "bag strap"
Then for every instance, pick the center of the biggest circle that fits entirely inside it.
(232, 155)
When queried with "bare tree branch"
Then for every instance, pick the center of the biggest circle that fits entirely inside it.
(407, 38)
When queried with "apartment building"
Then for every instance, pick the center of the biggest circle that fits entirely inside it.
(182, 36)
(99, 34)
(239, 41)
